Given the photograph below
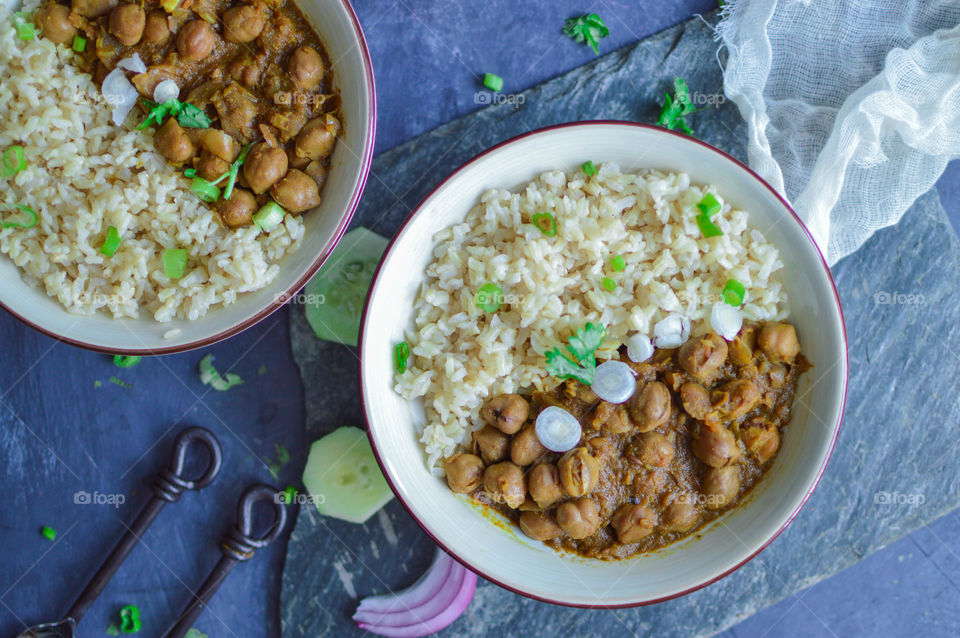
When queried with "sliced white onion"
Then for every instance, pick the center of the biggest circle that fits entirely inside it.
(165, 91)
(613, 382)
(133, 63)
(120, 94)
(557, 429)
(726, 320)
(639, 348)
(671, 331)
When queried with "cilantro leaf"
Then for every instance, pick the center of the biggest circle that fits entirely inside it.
(682, 92)
(563, 368)
(191, 116)
(583, 344)
(158, 112)
(587, 29)
(675, 109)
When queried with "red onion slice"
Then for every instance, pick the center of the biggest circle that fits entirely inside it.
(412, 615)
(421, 591)
(461, 600)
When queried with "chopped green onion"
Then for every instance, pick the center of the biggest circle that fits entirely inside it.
(211, 377)
(547, 224)
(13, 160)
(175, 262)
(125, 361)
(49, 533)
(79, 44)
(589, 169)
(709, 205)
(269, 216)
(488, 297)
(25, 28)
(130, 619)
(122, 384)
(206, 191)
(26, 218)
(111, 243)
(734, 293)
(289, 495)
(707, 227)
(618, 263)
(401, 352)
(609, 284)
(190, 172)
(493, 82)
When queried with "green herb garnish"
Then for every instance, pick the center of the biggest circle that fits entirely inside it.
(26, 218)
(122, 384)
(125, 360)
(675, 110)
(708, 206)
(488, 297)
(269, 216)
(401, 352)
(113, 630)
(130, 619)
(618, 263)
(589, 169)
(111, 243)
(174, 262)
(547, 224)
(587, 29)
(211, 377)
(493, 82)
(79, 44)
(233, 172)
(25, 28)
(734, 293)
(707, 227)
(582, 346)
(289, 495)
(48, 533)
(206, 191)
(609, 284)
(13, 161)
(188, 115)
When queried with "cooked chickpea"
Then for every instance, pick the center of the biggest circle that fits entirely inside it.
(127, 22)
(492, 444)
(464, 473)
(209, 166)
(650, 405)
(172, 142)
(156, 29)
(720, 485)
(761, 439)
(695, 400)
(715, 447)
(544, 483)
(739, 397)
(505, 483)
(779, 342)
(242, 23)
(318, 137)
(264, 167)
(651, 449)
(633, 523)
(237, 211)
(53, 20)
(526, 447)
(195, 40)
(306, 67)
(296, 192)
(579, 472)
(579, 518)
(219, 143)
(540, 526)
(680, 515)
(506, 412)
(702, 358)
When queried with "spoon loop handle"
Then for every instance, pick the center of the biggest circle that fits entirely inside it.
(237, 545)
(168, 485)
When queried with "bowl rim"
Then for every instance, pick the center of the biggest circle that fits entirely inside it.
(843, 333)
(281, 299)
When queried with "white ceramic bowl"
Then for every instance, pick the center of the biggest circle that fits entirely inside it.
(509, 558)
(339, 30)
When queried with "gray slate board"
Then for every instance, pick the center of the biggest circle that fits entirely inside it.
(898, 443)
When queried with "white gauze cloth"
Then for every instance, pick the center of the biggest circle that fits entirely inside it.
(853, 106)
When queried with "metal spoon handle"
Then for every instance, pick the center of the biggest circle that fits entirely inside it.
(167, 486)
(238, 545)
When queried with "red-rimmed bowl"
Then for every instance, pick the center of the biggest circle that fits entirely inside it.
(508, 557)
(338, 27)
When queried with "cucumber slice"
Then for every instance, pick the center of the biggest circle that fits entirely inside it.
(335, 296)
(343, 478)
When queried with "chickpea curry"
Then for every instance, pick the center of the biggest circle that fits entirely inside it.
(253, 72)
(698, 432)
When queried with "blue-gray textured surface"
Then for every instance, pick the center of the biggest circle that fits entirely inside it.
(896, 363)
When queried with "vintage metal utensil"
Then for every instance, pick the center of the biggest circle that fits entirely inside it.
(237, 545)
(167, 487)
